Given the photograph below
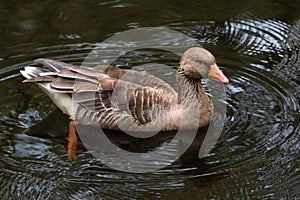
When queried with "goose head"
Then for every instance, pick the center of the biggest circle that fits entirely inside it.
(198, 63)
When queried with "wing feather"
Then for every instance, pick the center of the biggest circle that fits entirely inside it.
(107, 94)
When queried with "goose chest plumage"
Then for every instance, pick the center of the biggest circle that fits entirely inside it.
(129, 100)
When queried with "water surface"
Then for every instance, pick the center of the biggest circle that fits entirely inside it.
(256, 45)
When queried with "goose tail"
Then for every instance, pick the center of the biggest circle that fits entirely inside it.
(44, 77)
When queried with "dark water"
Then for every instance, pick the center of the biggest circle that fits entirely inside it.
(256, 44)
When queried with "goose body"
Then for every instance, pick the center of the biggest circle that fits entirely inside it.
(120, 99)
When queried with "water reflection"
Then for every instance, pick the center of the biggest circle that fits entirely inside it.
(258, 149)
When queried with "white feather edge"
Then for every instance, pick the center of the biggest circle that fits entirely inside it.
(25, 73)
(63, 101)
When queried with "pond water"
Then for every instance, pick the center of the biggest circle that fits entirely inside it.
(256, 44)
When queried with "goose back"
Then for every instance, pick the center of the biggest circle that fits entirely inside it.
(109, 95)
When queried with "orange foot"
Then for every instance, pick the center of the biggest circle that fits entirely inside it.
(72, 139)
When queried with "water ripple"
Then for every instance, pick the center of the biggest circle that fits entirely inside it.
(255, 155)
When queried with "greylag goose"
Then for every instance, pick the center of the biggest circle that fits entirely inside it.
(129, 100)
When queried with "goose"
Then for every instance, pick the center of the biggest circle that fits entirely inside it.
(128, 100)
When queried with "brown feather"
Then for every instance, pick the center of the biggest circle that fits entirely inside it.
(69, 74)
(62, 83)
(135, 100)
(55, 65)
(39, 79)
(85, 71)
(85, 86)
(102, 69)
(114, 72)
(107, 84)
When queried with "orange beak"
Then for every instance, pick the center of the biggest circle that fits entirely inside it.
(216, 73)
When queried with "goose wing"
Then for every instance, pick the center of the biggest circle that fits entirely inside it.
(110, 96)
